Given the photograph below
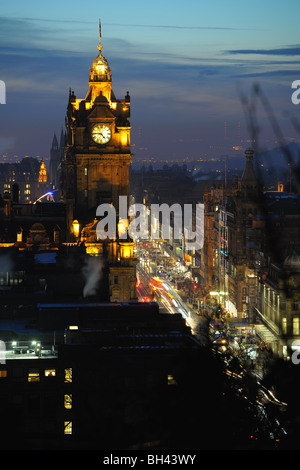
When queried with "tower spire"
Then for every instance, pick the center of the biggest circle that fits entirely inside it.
(249, 181)
(100, 75)
(100, 46)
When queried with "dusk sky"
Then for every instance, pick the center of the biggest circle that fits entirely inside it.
(185, 64)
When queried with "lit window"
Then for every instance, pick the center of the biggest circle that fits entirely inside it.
(3, 373)
(126, 252)
(284, 325)
(68, 427)
(68, 402)
(124, 140)
(50, 373)
(68, 375)
(171, 380)
(56, 236)
(85, 171)
(33, 375)
(296, 329)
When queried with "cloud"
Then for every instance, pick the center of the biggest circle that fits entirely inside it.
(25, 33)
(271, 73)
(161, 26)
(131, 25)
(176, 91)
(284, 51)
(49, 20)
(33, 74)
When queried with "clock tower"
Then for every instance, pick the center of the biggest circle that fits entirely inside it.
(95, 170)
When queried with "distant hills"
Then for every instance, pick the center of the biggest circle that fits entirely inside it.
(272, 166)
(280, 157)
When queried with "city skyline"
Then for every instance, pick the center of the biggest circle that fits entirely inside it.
(127, 290)
(185, 69)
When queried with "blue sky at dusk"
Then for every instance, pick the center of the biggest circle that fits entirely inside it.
(185, 64)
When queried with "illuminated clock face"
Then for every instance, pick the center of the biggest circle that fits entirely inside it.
(101, 134)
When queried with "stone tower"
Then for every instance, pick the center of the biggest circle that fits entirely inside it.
(95, 168)
(95, 171)
(56, 153)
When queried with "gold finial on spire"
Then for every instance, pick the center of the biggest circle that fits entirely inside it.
(99, 47)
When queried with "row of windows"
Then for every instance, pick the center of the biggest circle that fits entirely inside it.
(10, 280)
(34, 375)
(26, 191)
(295, 326)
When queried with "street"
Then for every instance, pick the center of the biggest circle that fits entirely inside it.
(157, 274)
(157, 277)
